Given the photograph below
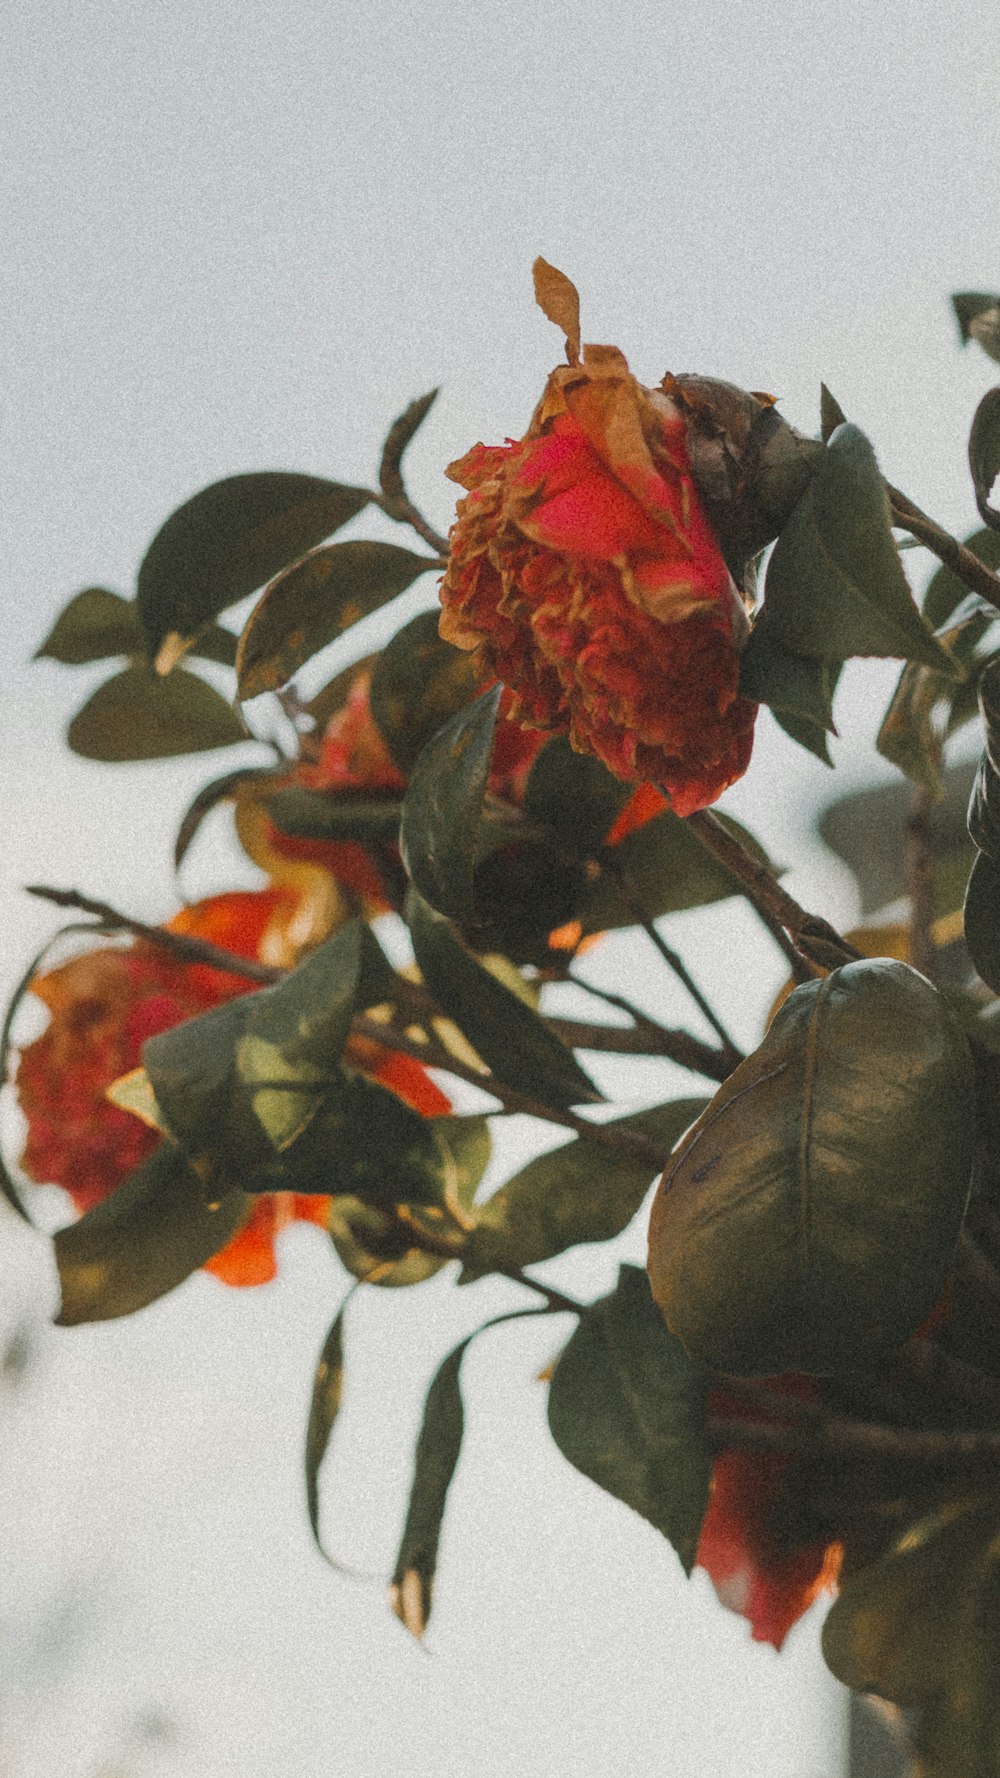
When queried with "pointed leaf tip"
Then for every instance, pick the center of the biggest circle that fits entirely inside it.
(559, 300)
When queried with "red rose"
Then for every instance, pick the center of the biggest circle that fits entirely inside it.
(584, 570)
(105, 1003)
(763, 1565)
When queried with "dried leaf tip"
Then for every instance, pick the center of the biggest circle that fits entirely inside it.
(559, 300)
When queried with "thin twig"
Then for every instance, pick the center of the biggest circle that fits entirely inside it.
(814, 936)
(405, 513)
(186, 948)
(948, 550)
(676, 1046)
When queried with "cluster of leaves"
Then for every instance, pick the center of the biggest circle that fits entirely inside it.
(819, 1209)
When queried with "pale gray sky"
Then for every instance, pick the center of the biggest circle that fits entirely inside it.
(240, 237)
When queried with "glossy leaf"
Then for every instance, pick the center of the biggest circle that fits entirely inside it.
(418, 684)
(228, 540)
(438, 1449)
(797, 688)
(666, 870)
(315, 815)
(324, 1406)
(443, 807)
(375, 1247)
(400, 433)
(575, 795)
(363, 1141)
(829, 1176)
(512, 1040)
(220, 790)
(627, 1407)
(576, 1193)
(835, 586)
(94, 625)
(313, 602)
(982, 920)
(984, 455)
(140, 715)
(142, 1241)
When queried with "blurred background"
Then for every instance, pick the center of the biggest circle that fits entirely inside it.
(240, 237)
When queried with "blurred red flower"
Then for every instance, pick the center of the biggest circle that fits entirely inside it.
(584, 570)
(761, 1560)
(105, 1003)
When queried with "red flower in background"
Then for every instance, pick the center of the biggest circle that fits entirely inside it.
(103, 1006)
(761, 1563)
(584, 570)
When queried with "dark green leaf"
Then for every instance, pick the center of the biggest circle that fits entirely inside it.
(797, 688)
(324, 1406)
(576, 1193)
(400, 433)
(228, 540)
(969, 306)
(363, 1142)
(908, 736)
(332, 697)
(315, 815)
(666, 870)
(575, 795)
(982, 920)
(984, 455)
(511, 1039)
(140, 715)
(220, 790)
(867, 829)
(313, 602)
(945, 592)
(95, 624)
(831, 414)
(438, 1448)
(829, 1176)
(835, 586)
(145, 1239)
(627, 1407)
(376, 1247)
(442, 810)
(419, 683)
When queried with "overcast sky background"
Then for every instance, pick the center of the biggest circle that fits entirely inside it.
(244, 237)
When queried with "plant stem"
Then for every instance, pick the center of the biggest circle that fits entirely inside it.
(948, 550)
(815, 937)
(453, 1247)
(180, 944)
(677, 1046)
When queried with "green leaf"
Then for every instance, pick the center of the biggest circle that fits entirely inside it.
(666, 869)
(400, 433)
(627, 1408)
(145, 1239)
(829, 1176)
(140, 715)
(228, 540)
(982, 896)
(982, 920)
(220, 790)
(418, 684)
(324, 1406)
(575, 795)
(438, 1448)
(831, 414)
(984, 455)
(908, 736)
(573, 1194)
(798, 689)
(867, 829)
(945, 592)
(512, 1040)
(970, 304)
(364, 1142)
(95, 624)
(317, 815)
(375, 1247)
(835, 585)
(313, 602)
(443, 807)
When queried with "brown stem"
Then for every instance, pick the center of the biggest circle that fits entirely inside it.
(920, 875)
(402, 509)
(815, 937)
(677, 1046)
(948, 550)
(180, 944)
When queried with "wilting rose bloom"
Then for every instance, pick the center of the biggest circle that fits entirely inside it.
(585, 572)
(761, 1561)
(105, 1003)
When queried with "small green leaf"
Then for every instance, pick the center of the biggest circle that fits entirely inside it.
(797, 688)
(978, 315)
(443, 807)
(376, 1248)
(324, 1406)
(627, 1408)
(835, 585)
(313, 602)
(400, 433)
(831, 414)
(140, 715)
(573, 1194)
(512, 1040)
(575, 795)
(666, 870)
(438, 1449)
(908, 736)
(364, 1141)
(317, 815)
(945, 592)
(418, 684)
(220, 790)
(94, 625)
(228, 540)
(142, 1241)
(984, 455)
(829, 1176)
